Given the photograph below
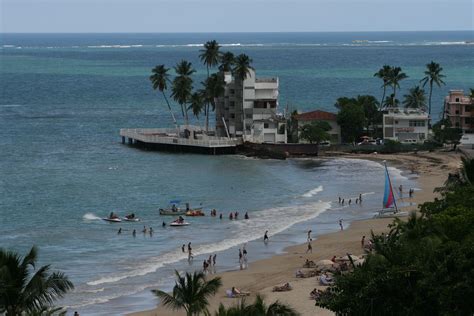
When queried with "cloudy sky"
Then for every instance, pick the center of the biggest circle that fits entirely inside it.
(234, 16)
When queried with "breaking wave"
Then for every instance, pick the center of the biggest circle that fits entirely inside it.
(313, 192)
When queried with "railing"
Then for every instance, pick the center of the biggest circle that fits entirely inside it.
(159, 136)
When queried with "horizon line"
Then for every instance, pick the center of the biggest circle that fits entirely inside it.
(240, 32)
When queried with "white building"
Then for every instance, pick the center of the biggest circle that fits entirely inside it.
(249, 110)
(407, 126)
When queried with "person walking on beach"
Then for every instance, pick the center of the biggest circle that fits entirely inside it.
(400, 188)
(209, 261)
(362, 242)
(190, 252)
(265, 237)
(214, 260)
(310, 247)
(309, 235)
(360, 198)
(244, 253)
(204, 267)
(240, 259)
(340, 224)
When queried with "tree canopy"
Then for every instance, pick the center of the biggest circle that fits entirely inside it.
(315, 132)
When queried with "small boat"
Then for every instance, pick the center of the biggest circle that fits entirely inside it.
(179, 222)
(390, 208)
(196, 212)
(112, 220)
(170, 211)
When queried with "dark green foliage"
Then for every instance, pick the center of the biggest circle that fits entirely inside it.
(26, 290)
(415, 99)
(351, 118)
(424, 266)
(258, 308)
(191, 293)
(433, 76)
(315, 132)
(445, 134)
(292, 127)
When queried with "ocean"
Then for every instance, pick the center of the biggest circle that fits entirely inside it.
(64, 97)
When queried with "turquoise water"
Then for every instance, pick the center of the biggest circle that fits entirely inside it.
(63, 99)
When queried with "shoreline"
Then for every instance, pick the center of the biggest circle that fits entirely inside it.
(262, 275)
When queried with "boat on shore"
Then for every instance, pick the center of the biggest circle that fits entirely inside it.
(390, 208)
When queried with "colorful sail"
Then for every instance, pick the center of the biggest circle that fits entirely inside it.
(388, 198)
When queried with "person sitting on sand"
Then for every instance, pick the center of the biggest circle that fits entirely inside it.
(325, 279)
(299, 274)
(285, 287)
(235, 291)
(333, 259)
(315, 294)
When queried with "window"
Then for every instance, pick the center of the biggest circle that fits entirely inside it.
(396, 122)
(457, 111)
(248, 116)
(457, 124)
(414, 123)
(232, 103)
(457, 99)
(232, 91)
(468, 108)
(265, 125)
(232, 116)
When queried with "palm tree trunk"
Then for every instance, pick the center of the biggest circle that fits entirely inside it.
(431, 91)
(171, 111)
(383, 96)
(394, 95)
(206, 107)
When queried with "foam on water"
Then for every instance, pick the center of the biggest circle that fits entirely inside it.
(90, 217)
(313, 192)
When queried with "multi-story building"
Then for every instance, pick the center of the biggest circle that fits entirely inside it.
(248, 109)
(406, 126)
(318, 115)
(459, 109)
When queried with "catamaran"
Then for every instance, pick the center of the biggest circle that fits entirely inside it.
(390, 208)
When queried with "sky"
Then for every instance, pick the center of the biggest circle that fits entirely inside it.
(156, 16)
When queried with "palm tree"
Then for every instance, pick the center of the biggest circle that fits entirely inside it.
(214, 87)
(433, 75)
(242, 67)
(182, 86)
(227, 60)
(384, 74)
(370, 105)
(191, 293)
(210, 54)
(24, 290)
(196, 103)
(258, 308)
(159, 80)
(395, 76)
(415, 98)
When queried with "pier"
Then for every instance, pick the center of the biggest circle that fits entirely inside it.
(189, 139)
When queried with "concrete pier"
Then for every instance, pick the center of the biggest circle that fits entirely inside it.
(168, 140)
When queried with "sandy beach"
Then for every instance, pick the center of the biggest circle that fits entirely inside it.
(261, 276)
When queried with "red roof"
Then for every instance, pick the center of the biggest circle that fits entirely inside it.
(316, 115)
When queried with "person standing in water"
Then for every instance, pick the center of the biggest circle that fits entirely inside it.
(265, 237)
(150, 231)
(246, 216)
(220, 216)
(340, 224)
(309, 235)
(360, 198)
(182, 248)
(339, 200)
(119, 231)
(190, 252)
(134, 233)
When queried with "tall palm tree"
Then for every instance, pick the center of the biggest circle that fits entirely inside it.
(395, 76)
(210, 54)
(242, 67)
(415, 99)
(24, 289)
(191, 293)
(214, 87)
(227, 61)
(433, 75)
(159, 80)
(196, 103)
(384, 74)
(210, 57)
(370, 105)
(182, 86)
(258, 308)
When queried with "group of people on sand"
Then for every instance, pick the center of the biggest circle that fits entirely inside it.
(358, 200)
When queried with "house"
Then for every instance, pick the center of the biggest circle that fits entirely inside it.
(248, 110)
(459, 109)
(406, 126)
(318, 115)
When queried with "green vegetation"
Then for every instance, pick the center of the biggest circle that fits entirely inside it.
(159, 80)
(424, 266)
(415, 99)
(191, 293)
(433, 75)
(444, 133)
(315, 132)
(258, 308)
(27, 290)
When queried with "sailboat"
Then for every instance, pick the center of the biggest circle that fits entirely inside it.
(390, 208)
